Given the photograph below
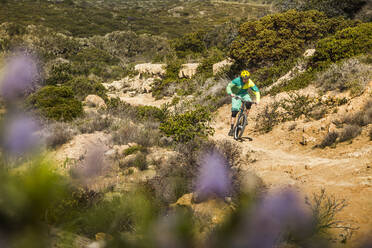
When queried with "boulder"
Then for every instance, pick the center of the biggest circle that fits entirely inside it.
(152, 69)
(221, 65)
(188, 70)
(96, 101)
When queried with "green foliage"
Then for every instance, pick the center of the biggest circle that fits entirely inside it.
(56, 103)
(185, 127)
(82, 87)
(152, 113)
(133, 149)
(206, 65)
(59, 74)
(347, 8)
(344, 44)
(299, 82)
(161, 86)
(278, 37)
(188, 44)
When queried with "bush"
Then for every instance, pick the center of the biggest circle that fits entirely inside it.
(350, 132)
(206, 65)
(82, 87)
(278, 37)
(185, 127)
(299, 82)
(329, 140)
(344, 44)
(56, 103)
(133, 149)
(59, 74)
(325, 209)
(144, 135)
(58, 134)
(347, 8)
(188, 44)
(361, 118)
(350, 75)
(94, 122)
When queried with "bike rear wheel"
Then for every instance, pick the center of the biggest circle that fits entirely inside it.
(240, 126)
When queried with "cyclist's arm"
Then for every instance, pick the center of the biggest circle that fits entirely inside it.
(228, 88)
(255, 90)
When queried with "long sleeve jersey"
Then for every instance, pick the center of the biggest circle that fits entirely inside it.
(238, 87)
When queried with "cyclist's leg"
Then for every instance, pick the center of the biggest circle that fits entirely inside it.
(248, 104)
(235, 107)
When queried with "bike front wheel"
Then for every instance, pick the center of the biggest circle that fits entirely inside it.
(240, 126)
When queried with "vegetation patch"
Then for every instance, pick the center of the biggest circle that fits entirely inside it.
(350, 75)
(56, 103)
(186, 126)
(346, 43)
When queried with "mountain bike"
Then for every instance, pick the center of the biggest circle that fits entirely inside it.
(242, 121)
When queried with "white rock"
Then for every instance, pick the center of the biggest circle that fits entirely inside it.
(220, 65)
(188, 70)
(96, 101)
(153, 69)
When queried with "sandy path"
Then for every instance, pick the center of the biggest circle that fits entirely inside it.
(281, 163)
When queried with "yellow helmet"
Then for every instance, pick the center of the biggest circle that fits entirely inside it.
(245, 74)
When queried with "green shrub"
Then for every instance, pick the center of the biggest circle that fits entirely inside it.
(188, 44)
(300, 81)
(185, 127)
(82, 87)
(59, 74)
(206, 65)
(151, 113)
(346, 8)
(133, 149)
(278, 37)
(56, 103)
(344, 44)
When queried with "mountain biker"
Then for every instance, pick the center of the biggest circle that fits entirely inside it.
(239, 87)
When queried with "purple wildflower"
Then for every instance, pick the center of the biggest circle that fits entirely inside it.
(20, 74)
(92, 164)
(213, 179)
(276, 214)
(20, 135)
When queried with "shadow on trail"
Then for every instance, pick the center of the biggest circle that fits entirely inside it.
(243, 139)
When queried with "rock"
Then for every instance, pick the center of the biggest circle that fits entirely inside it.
(221, 65)
(120, 149)
(96, 244)
(309, 53)
(332, 128)
(110, 153)
(132, 93)
(216, 209)
(96, 101)
(152, 69)
(132, 144)
(188, 70)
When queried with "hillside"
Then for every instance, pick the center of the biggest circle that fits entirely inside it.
(114, 122)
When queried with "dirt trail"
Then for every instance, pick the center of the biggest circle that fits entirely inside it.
(280, 161)
(344, 172)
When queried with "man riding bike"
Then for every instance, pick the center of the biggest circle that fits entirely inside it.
(239, 87)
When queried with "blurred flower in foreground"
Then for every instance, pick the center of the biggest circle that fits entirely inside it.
(214, 178)
(277, 214)
(19, 77)
(92, 165)
(20, 135)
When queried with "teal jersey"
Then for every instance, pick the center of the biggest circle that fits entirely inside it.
(238, 87)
